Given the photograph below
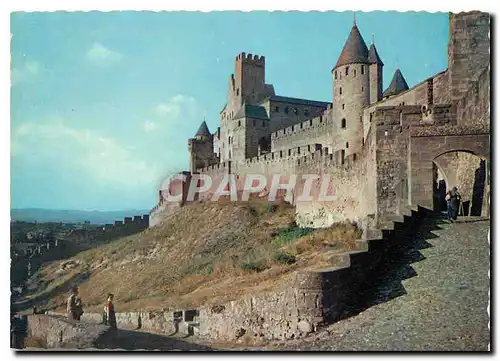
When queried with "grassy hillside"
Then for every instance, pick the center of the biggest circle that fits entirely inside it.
(207, 253)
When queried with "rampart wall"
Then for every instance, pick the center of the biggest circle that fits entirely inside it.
(59, 332)
(351, 189)
(315, 130)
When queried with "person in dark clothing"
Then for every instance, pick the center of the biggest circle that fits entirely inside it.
(109, 312)
(79, 309)
(449, 207)
(455, 202)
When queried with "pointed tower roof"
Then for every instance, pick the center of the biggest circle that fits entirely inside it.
(398, 84)
(373, 57)
(203, 130)
(355, 50)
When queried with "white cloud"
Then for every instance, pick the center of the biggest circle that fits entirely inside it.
(149, 126)
(100, 55)
(177, 115)
(102, 158)
(28, 71)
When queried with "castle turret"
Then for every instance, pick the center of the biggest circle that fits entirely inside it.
(201, 149)
(398, 84)
(351, 92)
(376, 74)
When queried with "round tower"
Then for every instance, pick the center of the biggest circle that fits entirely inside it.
(351, 93)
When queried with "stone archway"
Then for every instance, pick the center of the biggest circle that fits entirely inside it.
(430, 173)
(467, 172)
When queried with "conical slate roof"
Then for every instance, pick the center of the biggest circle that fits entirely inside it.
(398, 84)
(373, 57)
(355, 50)
(203, 130)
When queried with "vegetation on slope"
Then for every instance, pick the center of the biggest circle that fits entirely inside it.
(206, 253)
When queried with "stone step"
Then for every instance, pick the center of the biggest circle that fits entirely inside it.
(386, 225)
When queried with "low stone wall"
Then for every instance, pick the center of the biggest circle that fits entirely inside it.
(315, 298)
(58, 332)
(156, 321)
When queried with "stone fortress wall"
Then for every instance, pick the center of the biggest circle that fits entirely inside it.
(373, 134)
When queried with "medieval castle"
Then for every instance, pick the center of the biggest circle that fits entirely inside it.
(385, 151)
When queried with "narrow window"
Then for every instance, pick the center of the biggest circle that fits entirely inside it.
(371, 117)
(310, 123)
(343, 106)
(347, 145)
(342, 156)
(229, 154)
(289, 152)
(277, 109)
(238, 91)
(342, 123)
(362, 69)
(239, 123)
(354, 73)
(361, 119)
(346, 70)
(340, 90)
(335, 74)
(298, 150)
(362, 88)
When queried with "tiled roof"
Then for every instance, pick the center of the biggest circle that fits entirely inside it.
(398, 84)
(251, 111)
(355, 50)
(312, 103)
(373, 57)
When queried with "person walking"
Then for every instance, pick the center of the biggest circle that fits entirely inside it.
(72, 306)
(109, 312)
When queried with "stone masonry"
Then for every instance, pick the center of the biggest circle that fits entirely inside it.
(381, 150)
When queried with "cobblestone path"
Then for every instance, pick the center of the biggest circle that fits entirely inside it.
(431, 296)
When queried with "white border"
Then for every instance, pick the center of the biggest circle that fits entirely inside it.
(87, 5)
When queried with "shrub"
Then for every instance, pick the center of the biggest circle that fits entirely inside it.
(285, 258)
(271, 208)
(292, 232)
(253, 266)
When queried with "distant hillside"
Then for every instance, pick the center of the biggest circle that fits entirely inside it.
(71, 216)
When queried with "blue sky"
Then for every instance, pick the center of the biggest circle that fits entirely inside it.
(102, 104)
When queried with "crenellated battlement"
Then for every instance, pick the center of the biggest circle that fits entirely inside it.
(319, 121)
(215, 167)
(251, 59)
(328, 159)
(283, 155)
